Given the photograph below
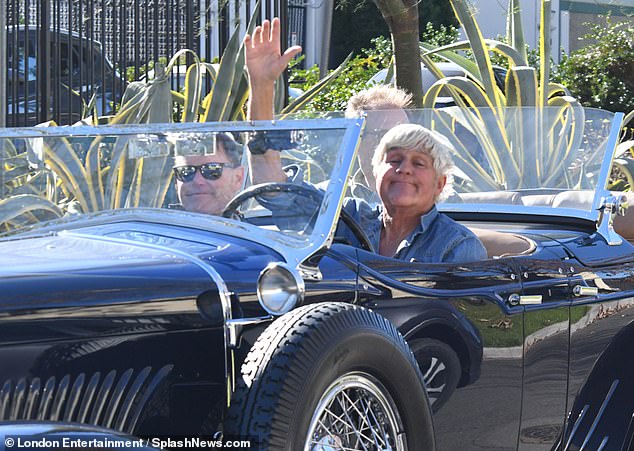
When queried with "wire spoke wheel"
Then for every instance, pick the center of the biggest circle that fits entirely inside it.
(331, 377)
(355, 413)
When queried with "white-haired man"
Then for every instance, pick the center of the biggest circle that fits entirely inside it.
(410, 167)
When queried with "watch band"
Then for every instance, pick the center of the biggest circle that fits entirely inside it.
(262, 141)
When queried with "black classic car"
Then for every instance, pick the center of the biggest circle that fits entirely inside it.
(268, 327)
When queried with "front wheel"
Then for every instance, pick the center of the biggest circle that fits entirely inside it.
(331, 376)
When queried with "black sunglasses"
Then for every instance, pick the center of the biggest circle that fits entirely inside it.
(210, 171)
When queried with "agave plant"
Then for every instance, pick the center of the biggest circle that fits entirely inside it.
(28, 190)
(544, 117)
(624, 163)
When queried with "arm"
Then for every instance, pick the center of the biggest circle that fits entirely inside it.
(265, 63)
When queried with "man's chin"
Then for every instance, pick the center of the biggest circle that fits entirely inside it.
(204, 209)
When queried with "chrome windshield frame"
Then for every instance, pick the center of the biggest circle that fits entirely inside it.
(606, 166)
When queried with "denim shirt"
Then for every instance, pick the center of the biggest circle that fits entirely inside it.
(438, 238)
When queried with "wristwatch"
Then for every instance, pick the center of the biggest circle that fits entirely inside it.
(262, 141)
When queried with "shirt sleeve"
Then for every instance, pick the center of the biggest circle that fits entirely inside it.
(466, 249)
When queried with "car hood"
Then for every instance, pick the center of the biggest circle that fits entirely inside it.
(125, 263)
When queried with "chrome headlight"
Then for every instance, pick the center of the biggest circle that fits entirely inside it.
(280, 288)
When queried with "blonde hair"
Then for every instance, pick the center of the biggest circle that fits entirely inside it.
(380, 97)
(417, 138)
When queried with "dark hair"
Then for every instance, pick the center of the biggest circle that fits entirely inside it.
(231, 147)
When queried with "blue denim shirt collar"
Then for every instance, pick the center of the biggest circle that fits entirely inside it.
(375, 227)
(425, 222)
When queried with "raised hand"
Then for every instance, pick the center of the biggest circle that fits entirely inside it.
(264, 59)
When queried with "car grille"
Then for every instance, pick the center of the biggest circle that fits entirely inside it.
(115, 400)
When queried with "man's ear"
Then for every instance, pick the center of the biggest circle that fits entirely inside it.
(442, 181)
(238, 175)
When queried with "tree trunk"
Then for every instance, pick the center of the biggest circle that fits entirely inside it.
(401, 17)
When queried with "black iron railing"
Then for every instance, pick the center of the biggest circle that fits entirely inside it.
(61, 53)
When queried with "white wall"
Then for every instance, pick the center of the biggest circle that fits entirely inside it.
(491, 17)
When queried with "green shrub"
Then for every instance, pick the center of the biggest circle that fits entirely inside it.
(360, 69)
(602, 73)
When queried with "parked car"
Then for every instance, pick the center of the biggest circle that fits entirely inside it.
(78, 70)
(428, 79)
(119, 313)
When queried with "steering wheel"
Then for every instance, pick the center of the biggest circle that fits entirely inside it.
(304, 190)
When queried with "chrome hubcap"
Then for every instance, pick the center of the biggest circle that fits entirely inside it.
(356, 413)
(434, 378)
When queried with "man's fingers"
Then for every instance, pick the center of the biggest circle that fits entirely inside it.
(290, 53)
(266, 31)
(275, 30)
(257, 35)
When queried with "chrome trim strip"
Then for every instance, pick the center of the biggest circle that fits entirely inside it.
(518, 209)
(133, 393)
(74, 396)
(165, 129)
(583, 290)
(89, 396)
(533, 299)
(235, 327)
(102, 396)
(223, 291)
(326, 225)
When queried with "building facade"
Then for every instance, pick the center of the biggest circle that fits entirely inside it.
(569, 20)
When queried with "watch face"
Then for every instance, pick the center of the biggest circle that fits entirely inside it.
(258, 144)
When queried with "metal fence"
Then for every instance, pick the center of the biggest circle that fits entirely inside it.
(61, 53)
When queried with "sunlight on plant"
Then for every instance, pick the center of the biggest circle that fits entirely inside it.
(504, 134)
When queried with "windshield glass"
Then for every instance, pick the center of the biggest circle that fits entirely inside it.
(533, 159)
(60, 177)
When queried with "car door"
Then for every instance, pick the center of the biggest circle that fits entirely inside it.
(483, 413)
(545, 296)
(602, 333)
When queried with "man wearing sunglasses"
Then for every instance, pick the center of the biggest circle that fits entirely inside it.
(206, 183)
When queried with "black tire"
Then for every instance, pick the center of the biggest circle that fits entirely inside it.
(441, 369)
(305, 356)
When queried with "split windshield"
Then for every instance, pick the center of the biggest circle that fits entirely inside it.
(532, 159)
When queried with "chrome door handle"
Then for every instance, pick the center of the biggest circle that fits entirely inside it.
(582, 290)
(516, 299)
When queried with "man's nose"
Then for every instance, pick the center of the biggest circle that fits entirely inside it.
(404, 167)
(199, 179)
